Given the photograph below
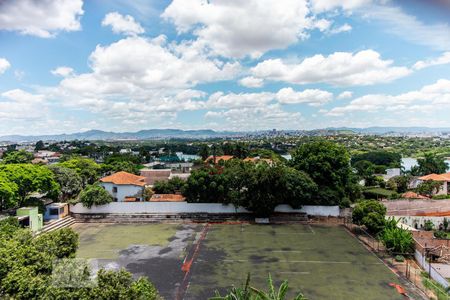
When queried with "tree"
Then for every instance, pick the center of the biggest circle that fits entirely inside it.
(328, 164)
(399, 183)
(125, 166)
(364, 168)
(39, 146)
(171, 186)
(397, 239)
(31, 179)
(430, 164)
(248, 292)
(429, 188)
(371, 214)
(17, 157)
(70, 182)
(8, 192)
(61, 243)
(94, 195)
(148, 193)
(86, 168)
(204, 152)
(380, 158)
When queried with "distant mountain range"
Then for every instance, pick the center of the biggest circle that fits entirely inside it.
(208, 133)
(105, 135)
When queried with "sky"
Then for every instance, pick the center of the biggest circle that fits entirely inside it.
(116, 65)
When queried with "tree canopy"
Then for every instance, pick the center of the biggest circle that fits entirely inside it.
(70, 182)
(371, 214)
(94, 195)
(429, 164)
(86, 168)
(381, 158)
(17, 157)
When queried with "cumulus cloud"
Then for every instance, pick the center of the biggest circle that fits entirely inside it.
(340, 68)
(4, 65)
(44, 18)
(441, 60)
(433, 96)
(240, 28)
(62, 71)
(122, 24)
(343, 28)
(313, 97)
(18, 104)
(319, 6)
(269, 116)
(232, 100)
(251, 82)
(345, 95)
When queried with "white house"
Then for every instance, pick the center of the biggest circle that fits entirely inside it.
(124, 186)
(443, 178)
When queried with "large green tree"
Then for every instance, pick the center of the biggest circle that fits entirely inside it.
(86, 168)
(328, 164)
(17, 157)
(8, 192)
(70, 182)
(31, 179)
(94, 195)
(380, 158)
(371, 214)
(429, 164)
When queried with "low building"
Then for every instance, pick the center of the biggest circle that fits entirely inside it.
(123, 186)
(56, 211)
(29, 217)
(443, 178)
(153, 175)
(390, 173)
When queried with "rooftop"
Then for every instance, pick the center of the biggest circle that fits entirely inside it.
(124, 178)
(167, 198)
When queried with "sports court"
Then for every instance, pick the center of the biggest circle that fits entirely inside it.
(191, 261)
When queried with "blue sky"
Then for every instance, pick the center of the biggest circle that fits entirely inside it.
(69, 65)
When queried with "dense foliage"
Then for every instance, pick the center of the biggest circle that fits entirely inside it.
(94, 195)
(371, 214)
(19, 181)
(29, 269)
(86, 168)
(380, 158)
(17, 157)
(428, 188)
(328, 164)
(429, 164)
(258, 187)
(69, 181)
(396, 239)
(170, 186)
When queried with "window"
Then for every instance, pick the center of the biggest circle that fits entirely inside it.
(54, 211)
(114, 189)
(115, 200)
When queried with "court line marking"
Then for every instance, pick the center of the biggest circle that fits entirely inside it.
(282, 251)
(278, 233)
(300, 273)
(306, 261)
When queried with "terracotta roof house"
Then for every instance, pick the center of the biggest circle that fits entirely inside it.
(167, 198)
(123, 186)
(412, 195)
(218, 158)
(444, 178)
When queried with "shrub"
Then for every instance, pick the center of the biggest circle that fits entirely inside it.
(441, 197)
(439, 234)
(397, 240)
(371, 214)
(94, 195)
(399, 258)
(428, 225)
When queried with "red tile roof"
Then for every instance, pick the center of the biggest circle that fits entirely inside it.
(167, 198)
(124, 178)
(412, 195)
(219, 158)
(436, 177)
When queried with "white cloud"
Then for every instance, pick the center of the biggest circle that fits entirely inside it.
(43, 18)
(340, 68)
(441, 60)
(313, 97)
(234, 28)
(319, 6)
(269, 116)
(343, 28)
(251, 82)
(62, 71)
(345, 95)
(408, 27)
(4, 65)
(232, 100)
(20, 105)
(122, 24)
(430, 97)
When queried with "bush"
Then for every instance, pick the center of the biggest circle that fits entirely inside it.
(371, 214)
(428, 225)
(399, 258)
(440, 234)
(397, 240)
(441, 197)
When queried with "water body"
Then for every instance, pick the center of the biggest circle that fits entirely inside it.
(409, 162)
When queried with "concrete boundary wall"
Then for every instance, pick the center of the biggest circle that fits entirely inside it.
(184, 207)
(433, 273)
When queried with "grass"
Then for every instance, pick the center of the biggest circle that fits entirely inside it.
(321, 262)
(379, 191)
(104, 241)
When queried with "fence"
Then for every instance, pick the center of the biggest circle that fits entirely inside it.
(407, 270)
(184, 207)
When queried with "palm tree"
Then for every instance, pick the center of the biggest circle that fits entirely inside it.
(250, 293)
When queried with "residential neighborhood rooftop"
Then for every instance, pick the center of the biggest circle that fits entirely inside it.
(124, 178)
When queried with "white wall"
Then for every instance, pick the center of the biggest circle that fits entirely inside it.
(433, 272)
(420, 221)
(184, 207)
(123, 190)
